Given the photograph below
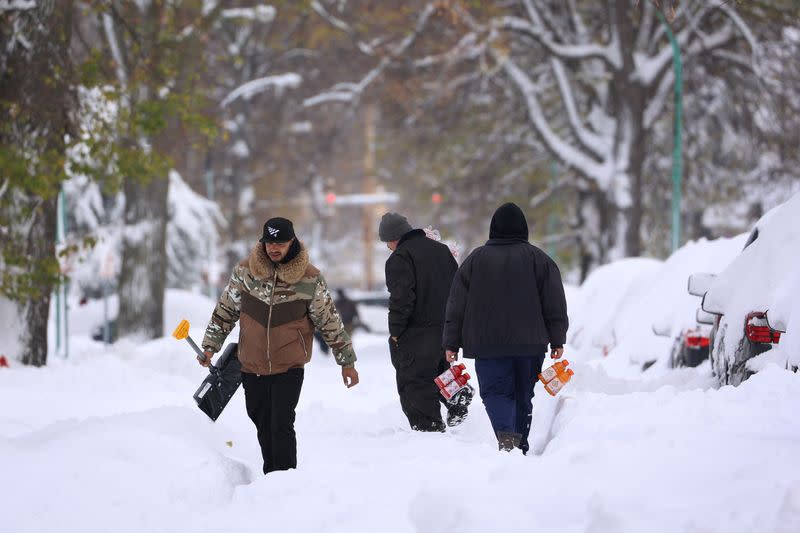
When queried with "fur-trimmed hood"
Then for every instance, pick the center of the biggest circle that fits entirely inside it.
(262, 267)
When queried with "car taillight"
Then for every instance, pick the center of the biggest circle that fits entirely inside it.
(697, 341)
(757, 329)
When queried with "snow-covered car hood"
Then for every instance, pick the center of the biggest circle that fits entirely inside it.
(601, 298)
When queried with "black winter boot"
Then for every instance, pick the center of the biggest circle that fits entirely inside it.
(507, 441)
(457, 406)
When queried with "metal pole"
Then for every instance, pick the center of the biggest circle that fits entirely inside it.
(677, 153)
(61, 292)
(58, 316)
(64, 231)
(66, 320)
(59, 237)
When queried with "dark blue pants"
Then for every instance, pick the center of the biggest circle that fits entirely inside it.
(506, 385)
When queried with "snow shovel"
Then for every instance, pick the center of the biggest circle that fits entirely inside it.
(223, 378)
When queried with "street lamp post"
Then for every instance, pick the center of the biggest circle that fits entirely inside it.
(677, 154)
(62, 290)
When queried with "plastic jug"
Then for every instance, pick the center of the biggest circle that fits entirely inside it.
(558, 382)
(454, 386)
(449, 375)
(549, 373)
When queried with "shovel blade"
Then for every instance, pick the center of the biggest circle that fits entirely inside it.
(182, 331)
(218, 387)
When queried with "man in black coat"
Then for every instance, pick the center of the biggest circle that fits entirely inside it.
(506, 305)
(418, 275)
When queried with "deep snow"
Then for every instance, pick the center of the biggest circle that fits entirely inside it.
(110, 441)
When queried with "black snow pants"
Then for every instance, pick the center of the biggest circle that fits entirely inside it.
(271, 402)
(418, 357)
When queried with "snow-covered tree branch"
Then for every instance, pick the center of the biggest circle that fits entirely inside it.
(17, 5)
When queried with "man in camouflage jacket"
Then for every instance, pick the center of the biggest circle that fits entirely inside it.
(279, 298)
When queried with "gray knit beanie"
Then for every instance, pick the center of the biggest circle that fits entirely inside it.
(393, 226)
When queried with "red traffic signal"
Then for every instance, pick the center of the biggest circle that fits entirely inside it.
(436, 198)
(330, 198)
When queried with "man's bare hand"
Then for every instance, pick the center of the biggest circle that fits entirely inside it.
(207, 362)
(451, 356)
(556, 353)
(350, 376)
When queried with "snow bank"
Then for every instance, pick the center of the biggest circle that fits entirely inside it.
(124, 472)
(111, 440)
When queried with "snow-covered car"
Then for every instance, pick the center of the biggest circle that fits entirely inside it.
(658, 302)
(749, 296)
(601, 297)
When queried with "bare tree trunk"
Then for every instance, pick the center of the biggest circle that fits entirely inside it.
(35, 312)
(596, 220)
(34, 78)
(144, 259)
(143, 272)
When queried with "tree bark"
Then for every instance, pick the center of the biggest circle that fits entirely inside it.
(144, 259)
(35, 80)
(35, 312)
(143, 273)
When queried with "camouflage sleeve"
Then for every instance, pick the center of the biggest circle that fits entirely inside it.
(326, 319)
(226, 313)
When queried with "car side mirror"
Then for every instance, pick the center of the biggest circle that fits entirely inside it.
(710, 306)
(704, 317)
(700, 283)
(778, 324)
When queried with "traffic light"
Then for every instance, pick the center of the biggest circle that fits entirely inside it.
(436, 198)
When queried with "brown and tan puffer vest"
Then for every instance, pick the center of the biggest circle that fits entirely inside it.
(278, 307)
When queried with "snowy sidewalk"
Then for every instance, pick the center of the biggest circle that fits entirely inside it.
(106, 443)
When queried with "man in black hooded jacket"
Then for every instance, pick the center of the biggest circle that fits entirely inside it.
(506, 305)
(418, 275)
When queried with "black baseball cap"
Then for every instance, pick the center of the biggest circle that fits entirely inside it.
(277, 230)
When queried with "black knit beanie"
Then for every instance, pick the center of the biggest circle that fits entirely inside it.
(509, 222)
(393, 226)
